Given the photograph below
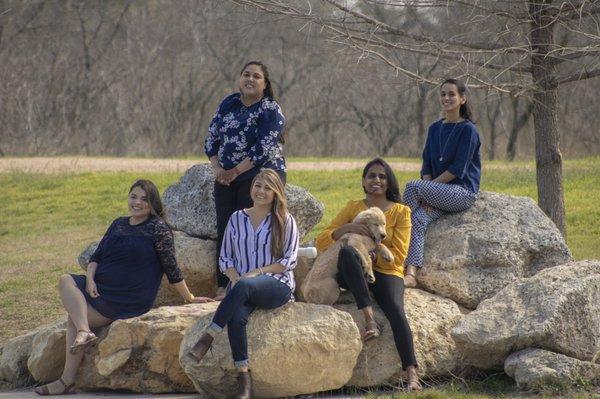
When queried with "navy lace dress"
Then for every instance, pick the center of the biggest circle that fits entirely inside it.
(131, 262)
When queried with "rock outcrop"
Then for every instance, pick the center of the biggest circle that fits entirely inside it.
(471, 255)
(556, 310)
(47, 358)
(190, 206)
(296, 349)
(535, 369)
(431, 319)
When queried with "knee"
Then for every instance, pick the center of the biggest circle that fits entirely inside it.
(65, 281)
(241, 288)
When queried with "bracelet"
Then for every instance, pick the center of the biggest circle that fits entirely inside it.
(190, 299)
(260, 270)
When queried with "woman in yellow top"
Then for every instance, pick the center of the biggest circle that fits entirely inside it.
(381, 189)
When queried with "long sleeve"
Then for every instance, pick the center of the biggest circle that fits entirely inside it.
(213, 139)
(164, 245)
(426, 167)
(227, 256)
(290, 246)
(97, 255)
(268, 130)
(397, 241)
(346, 215)
(467, 145)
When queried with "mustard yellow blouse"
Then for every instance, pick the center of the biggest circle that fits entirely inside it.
(397, 234)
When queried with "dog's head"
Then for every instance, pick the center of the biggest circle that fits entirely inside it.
(375, 220)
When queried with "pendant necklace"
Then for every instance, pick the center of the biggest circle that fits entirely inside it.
(442, 150)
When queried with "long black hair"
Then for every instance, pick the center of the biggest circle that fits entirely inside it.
(393, 191)
(465, 109)
(268, 91)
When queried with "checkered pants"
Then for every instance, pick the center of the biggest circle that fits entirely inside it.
(443, 198)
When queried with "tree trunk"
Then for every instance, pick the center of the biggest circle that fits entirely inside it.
(548, 157)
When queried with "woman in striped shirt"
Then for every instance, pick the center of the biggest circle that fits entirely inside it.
(258, 255)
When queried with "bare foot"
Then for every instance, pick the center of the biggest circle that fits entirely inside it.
(220, 294)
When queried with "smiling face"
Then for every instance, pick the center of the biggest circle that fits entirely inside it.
(261, 193)
(375, 181)
(451, 99)
(139, 208)
(252, 82)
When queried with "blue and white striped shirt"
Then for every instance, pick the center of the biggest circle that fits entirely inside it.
(246, 249)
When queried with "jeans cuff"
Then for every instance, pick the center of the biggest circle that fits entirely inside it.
(215, 327)
(241, 363)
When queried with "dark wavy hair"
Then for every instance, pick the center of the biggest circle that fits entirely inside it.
(393, 191)
(268, 92)
(152, 196)
(465, 109)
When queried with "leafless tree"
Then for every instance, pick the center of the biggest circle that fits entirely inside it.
(510, 46)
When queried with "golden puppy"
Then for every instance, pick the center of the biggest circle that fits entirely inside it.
(320, 285)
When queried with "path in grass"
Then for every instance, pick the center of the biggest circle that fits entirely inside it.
(92, 164)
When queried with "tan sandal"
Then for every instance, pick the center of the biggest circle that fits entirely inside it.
(410, 277)
(67, 389)
(77, 347)
(372, 330)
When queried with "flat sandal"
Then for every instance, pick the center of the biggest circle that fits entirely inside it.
(67, 389)
(78, 347)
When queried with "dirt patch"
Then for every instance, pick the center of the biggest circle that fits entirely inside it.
(87, 164)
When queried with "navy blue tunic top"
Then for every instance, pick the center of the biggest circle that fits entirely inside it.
(131, 261)
(453, 147)
(238, 132)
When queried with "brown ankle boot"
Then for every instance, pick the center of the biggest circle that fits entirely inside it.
(244, 385)
(201, 347)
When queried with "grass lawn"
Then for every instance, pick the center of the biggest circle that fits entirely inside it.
(47, 219)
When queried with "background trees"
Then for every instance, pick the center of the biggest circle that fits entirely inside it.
(354, 78)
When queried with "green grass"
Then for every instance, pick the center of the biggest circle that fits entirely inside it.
(46, 221)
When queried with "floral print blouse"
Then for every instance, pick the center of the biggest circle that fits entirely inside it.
(237, 132)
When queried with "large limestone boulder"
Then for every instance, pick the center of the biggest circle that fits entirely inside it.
(195, 257)
(190, 205)
(556, 310)
(537, 369)
(431, 319)
(141, 354)
(13, 360)
(469, 256)
(47, 358)
(296, 349)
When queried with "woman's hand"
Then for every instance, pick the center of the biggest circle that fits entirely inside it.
(220, 175)
(355, 228)
(200, 299)
(252, 273)
(90, 287)
(229, 176)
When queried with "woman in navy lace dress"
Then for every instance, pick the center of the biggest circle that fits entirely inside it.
(122, 278)
(244, 136)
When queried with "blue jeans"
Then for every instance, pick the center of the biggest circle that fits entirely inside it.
(249, 293)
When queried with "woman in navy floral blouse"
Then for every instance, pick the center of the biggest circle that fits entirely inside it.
(245, 135)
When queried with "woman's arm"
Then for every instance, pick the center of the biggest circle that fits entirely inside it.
(90, 284)
(398, 242)
(182, 288)
(340, 225)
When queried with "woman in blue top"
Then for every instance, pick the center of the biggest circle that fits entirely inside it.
(450, 173)
(258, 255)
(245, 135)
(121, 280)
